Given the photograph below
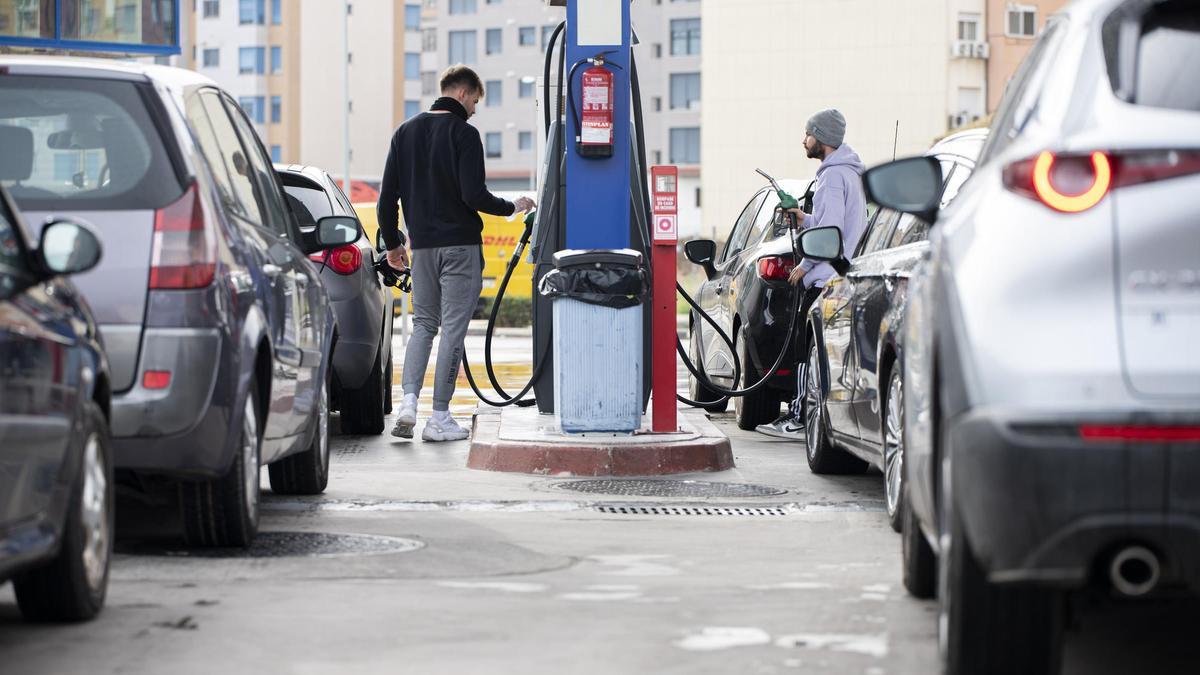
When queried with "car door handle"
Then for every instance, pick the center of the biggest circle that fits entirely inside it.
(272, 270)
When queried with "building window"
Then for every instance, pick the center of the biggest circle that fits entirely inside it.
(525, 140)
(685, 37)
(658, 50)
(252, 11)
(685, 145)
(276, 109)
(429, 40)
(411, 109)
(250, 60)
(493, 41)
(276, 153)
(525, 87)
(526, 35)
(429, 83)
(547, 31)
(276, 59)
(212, 9)
(968, 27)
(1022, 21)
(462, 7)
(492, 143)
(253, 105)
(685, 91)
(276, 12)
(462, 46)
(495, 93)
(212, 58)
(412, 66)
(412, 17)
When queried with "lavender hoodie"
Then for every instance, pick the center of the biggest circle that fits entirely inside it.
(838, 201)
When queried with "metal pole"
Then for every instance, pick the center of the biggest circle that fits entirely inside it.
(346, 98)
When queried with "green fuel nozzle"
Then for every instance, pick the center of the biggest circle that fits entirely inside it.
(786, 201)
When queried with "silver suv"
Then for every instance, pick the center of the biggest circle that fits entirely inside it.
(1051, 374)
(216, 325)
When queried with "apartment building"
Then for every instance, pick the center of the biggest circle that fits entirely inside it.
(505, 41)
(283, 61)
(1012, 28)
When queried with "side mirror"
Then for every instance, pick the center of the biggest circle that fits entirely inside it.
(702, 252)
(912, 185)
(68, 247)
(824, 243)
(332, 232)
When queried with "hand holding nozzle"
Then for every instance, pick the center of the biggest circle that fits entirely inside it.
(391, 276)
(787, 203)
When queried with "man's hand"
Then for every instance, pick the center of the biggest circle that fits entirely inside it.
(524, 204)
(796, 276)
(398, 258)
(799, 217)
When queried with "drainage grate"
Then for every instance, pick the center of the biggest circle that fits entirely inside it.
(669, 488)
(659, 510)
(287, 545)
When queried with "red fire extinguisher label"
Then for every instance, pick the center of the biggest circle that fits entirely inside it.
(596, 127)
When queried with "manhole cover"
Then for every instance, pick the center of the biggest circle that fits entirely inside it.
(669, 488)
(287, 545)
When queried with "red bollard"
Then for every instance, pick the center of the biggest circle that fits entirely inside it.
(665, 184)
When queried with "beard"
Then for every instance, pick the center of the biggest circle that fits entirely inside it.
(817, 151)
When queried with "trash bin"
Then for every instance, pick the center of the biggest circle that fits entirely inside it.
(597, 340)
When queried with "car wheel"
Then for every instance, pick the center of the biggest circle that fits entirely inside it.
(893, 449)
(917, 557)
(696, 390)
(388, 374)
(306, 473)
(363, 408)
(224, 511)
(823, 457)
(991, 629)
(73, 585)
(759, 406)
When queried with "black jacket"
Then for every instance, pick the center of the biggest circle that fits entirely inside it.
(435, 169)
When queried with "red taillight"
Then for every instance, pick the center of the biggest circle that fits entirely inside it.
(156, 379)
(775, 267)
(1160, 434)
(183, 254)
(1072, 183)
(343, 260)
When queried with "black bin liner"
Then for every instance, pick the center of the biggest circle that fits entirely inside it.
(608, 278)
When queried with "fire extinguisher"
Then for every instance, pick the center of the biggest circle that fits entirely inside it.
(594, 127)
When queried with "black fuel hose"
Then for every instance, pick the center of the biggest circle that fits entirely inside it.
(546, 75)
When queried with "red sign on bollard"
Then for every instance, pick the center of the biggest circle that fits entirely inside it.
(665, 187)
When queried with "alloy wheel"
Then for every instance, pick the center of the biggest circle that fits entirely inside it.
(94, 507)
(250, 457)
(812, 404)
(893, 443)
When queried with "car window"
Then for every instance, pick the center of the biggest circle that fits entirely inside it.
(959, 174)
(308, 204)
(220, 146)
(340, 197)
(269, 193)
(14, 266)
(82, 144)
(737, 238)
(880, 232)
(909, 230)
(1018, 101)
(1168, 56)
(763, 228)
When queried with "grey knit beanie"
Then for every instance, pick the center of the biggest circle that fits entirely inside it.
(828, 127)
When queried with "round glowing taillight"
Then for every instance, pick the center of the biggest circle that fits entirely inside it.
(1077, 186)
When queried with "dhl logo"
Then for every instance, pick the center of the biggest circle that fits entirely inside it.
(491, 240)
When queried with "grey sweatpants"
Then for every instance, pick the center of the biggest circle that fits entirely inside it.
(446, 284)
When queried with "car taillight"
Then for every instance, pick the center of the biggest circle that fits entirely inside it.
(183, 254)
(1160, 434)
(775, 267)
(1072, 183)
(343, 260)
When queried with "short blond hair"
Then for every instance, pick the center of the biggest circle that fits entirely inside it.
(460, 75)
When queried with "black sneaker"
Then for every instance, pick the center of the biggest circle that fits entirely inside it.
(785, 427)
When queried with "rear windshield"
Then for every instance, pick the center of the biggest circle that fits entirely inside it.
(1168, 58)
(308, 204)
(81, 144)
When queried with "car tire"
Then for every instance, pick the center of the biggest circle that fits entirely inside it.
(363, 408)
(696, 390)
(759, 406)
(73, 585)
(892, 425)
(223, 512)
(307, 472)
(917, 557)
(823, 457)
(388, 374)
(992, 629)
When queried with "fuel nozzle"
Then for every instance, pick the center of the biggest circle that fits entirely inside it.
(786, 200)
(390, 276)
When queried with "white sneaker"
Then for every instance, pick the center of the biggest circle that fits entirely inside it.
(406, 421)
(445, 429)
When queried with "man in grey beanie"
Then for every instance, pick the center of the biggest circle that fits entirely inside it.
(837, 201)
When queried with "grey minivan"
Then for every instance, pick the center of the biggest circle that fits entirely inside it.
(217, 329)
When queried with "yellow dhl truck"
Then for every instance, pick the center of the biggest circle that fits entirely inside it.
(501, 236)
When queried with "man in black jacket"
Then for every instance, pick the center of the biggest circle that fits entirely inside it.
(435, 170)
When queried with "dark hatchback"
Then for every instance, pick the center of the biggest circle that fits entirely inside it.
(56, 464)
(748, 295)
(854, 404)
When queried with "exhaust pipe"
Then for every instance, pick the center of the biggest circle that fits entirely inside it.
(1134, 571)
